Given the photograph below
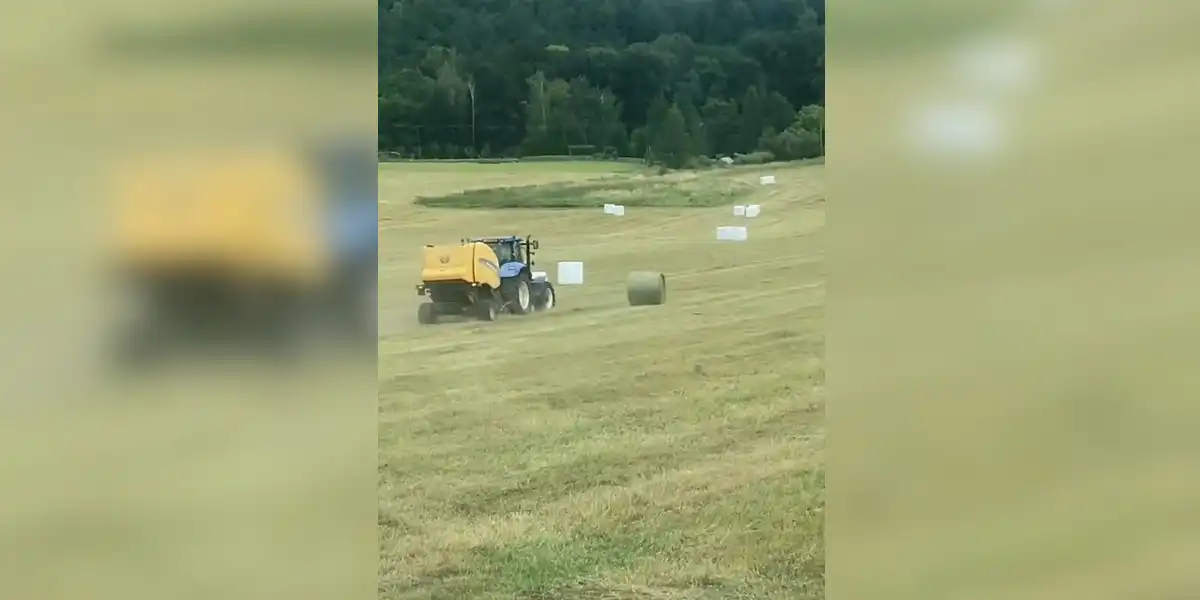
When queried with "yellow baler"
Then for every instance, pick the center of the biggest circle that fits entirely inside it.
(482, 276)
(458, 279)
(252, 215)
(474, 264)
(241, 240)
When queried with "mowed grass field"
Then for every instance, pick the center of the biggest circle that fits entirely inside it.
(601, 450)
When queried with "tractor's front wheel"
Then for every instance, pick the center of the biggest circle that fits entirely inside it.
(548, 299)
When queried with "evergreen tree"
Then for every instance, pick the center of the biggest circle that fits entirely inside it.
(672, 145)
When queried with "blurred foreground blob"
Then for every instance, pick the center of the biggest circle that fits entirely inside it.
(263, 252)
(1016, 246)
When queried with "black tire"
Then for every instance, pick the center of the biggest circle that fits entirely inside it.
(547, 300)
(488, 308)
(427, 314)
(517, 294)
(522, 302)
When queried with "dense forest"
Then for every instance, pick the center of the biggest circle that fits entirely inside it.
(668, 80)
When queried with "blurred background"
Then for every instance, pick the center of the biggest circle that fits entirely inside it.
(1012, 340)
(188, 403)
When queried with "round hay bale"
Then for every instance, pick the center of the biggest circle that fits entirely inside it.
(646, 288)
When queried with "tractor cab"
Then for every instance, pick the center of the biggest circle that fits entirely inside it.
(509, 249)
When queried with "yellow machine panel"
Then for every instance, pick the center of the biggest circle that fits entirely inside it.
(252, 214)
(473, 263)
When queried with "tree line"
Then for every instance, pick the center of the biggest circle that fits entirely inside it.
(668, 80)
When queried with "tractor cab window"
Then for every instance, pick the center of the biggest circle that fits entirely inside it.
(504, 252)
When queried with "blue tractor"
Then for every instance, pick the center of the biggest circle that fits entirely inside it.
(522, 289)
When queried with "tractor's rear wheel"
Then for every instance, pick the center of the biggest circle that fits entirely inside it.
(427, 314)
(522, 304)
(517, 295)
